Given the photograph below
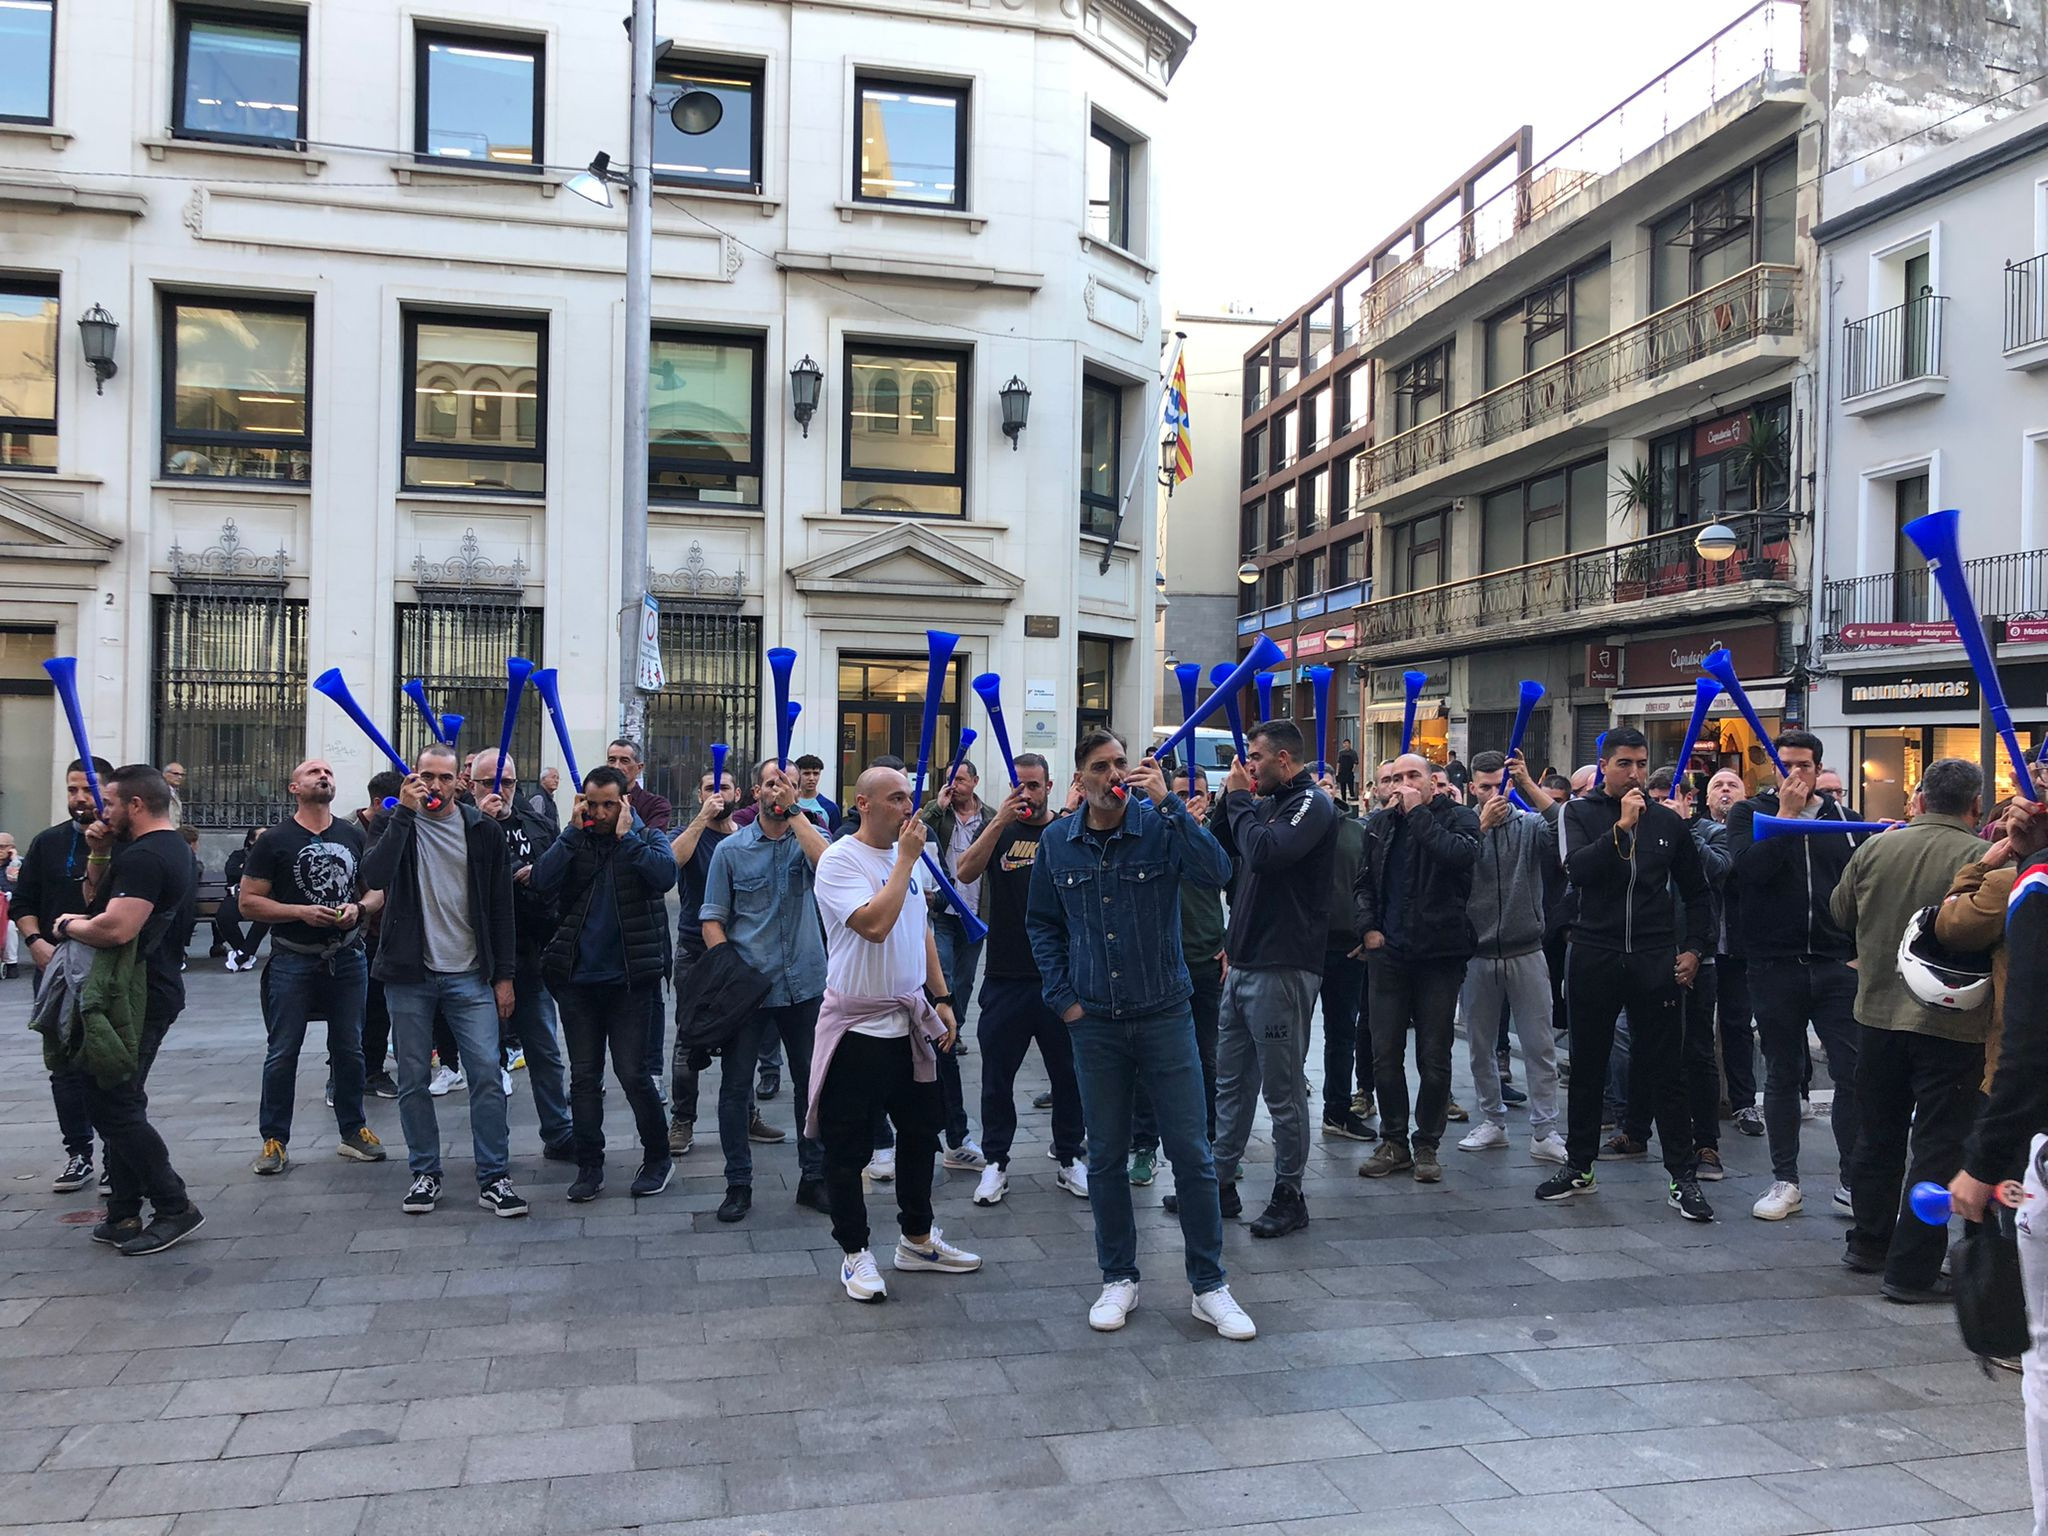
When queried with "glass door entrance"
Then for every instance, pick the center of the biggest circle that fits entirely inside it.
(881, 714)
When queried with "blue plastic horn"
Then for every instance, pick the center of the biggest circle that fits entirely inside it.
(1704, 692)
(967, 739)
(939, 647)
(789, 713)
(335, 687)
(1319, 686)
(990, 687)
(1264, 653)
(63, 672)
(1412, 684)
(1599, 758)
(548, 684)
(1936, 536)
(1189, 675)
(718, 755)
(781, 662)
(1720, 666)
(1264, 683)
(517, 670)
(451, 727)
(1532, 695)
(1224, 682)
(416, 690)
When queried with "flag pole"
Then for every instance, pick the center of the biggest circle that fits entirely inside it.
(1123, 506)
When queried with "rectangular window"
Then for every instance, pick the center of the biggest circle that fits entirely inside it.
(1418, 553)
(28, 59)
(238, 394)
(1312, 573)
(28, 373)
(1347, 561)
(1354, 397)
(718, 142)
(906, 454)
(1286, 445)
(1543, 518)
(1316, 503)
(703, 418)
(1109, 187)
(1254, 456)
(477, 100)
(1909, 566)
(1094, 682)
(1251, 528)
(1315, 421)
(1102, 431)
(1319, 336)
(912, 144)
(1287, 361)
(1726, 229)
(1422, 388)
(474, 418)
(240, 77)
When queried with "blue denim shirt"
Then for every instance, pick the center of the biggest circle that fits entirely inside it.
(759, 892)
(1104, 913)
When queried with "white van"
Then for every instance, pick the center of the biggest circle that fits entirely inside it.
(1213, 748)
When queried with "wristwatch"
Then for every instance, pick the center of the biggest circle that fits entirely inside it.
(936, 1000)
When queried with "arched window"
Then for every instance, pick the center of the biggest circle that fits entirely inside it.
(924, 406)
(885, 406)
(437, 408)
(486, 410)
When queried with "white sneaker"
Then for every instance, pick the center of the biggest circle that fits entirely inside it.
(1845, 1205)
(517, 1063)
(862, 1280)
(1073, 1178)
(937, 1254)
(1219, 1309)
(505, 1080)
(995, 1183)
(967, 1157)
(1483, 1137)
(1113, 1307)
(881, 1168)
(1782, 1199)
(1547, 1149)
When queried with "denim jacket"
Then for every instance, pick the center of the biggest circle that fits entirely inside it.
(1104, 912)
(759, 891)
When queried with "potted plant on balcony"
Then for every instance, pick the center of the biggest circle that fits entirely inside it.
(1764, 461)
(1635, 491)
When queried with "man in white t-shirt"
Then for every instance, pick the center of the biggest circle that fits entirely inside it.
(883, 1019)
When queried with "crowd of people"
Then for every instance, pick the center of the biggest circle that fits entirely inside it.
(1166, 944)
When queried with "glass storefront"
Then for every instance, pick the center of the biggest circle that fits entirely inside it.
(1724, 742)
(1891, 758)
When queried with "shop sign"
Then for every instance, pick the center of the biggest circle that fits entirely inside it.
(1667, 661)
(1286, 644)
(1719, 436)
(1310, 644)
(1387, 687)
(1603, 665)
(2026, 631)
(1930, 690)
(1942, 632)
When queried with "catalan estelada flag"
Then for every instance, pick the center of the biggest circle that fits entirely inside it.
(1179, 424)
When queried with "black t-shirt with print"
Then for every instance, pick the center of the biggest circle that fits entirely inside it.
(308, 869)
(157, 868)
(1008, 879)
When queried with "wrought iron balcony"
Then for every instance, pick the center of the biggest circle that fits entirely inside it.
(1589, 590)
(2012, 586)
(1762, 301)
(2026, 304)
(1892, 347)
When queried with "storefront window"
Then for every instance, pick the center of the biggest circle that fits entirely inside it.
(1724, 742)
(1891, 759)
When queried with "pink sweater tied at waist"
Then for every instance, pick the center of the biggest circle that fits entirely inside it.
(840, 1013)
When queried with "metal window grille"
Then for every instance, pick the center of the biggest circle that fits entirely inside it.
(712, 655)
(229, 699)
(457, 642)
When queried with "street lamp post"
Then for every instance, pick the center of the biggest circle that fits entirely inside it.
(639, 326)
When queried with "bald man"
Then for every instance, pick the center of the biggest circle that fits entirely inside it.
(304, 878)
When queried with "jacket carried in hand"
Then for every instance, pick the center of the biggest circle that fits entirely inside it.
(89, 1010)
(1283, 844)
(392, 866)
(1892, 876)
(1436, 922)
(1782, 885)
(640, 870)
(1625, 879)
(1507, 885)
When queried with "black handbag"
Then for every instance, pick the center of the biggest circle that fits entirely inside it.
(1991, 1304)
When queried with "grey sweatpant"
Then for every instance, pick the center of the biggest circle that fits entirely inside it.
(1524, 981)
(1263, 1039)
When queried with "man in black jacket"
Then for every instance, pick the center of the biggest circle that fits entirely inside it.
(1633, 947)
(1798, 963)
(446, 943)
(1282, 839)
(610, 874)
(1414, 898)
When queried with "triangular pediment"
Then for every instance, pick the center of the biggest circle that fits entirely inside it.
(31, 531)
(911, 560)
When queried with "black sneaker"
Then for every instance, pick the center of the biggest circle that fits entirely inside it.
(739, 1199)
(769, 1085)
(1348, 1125)
(166, 1231)
(76, 1175)
(1565, 1183)
(422, 1195)
(1511, 1096)
(1711, 1170)
(1042, 1100)
(1915, 1295)
(1232, 1202)
(653, 1178)
(1286, 1212)
(1687, 1199)
(501, 1199)
(1863, 1261)
(382, 1085)
(1750, 1121)
(115, 1233)
(586, 1185)
(810, 1194)
(559, 1151)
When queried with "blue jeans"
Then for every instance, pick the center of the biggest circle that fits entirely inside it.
(465, 999)
(959, 960)
(294, 988)
(793, 1025)
(533, 1025)
(1111, 1057)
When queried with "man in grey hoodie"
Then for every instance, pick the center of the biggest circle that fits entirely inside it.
(1515, 846)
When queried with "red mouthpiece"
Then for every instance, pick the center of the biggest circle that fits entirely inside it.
(1119, 791)
(588, 824)
(435, 802)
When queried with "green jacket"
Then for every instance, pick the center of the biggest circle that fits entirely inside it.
(101, 1029)
(940, 818)
(1889, 878)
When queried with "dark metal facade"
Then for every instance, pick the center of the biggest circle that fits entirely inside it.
(457, 643)
(229, 699)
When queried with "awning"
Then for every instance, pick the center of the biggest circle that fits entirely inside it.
(1768, 698)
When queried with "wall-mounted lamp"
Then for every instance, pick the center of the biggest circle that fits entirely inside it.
(1016, 409)
(1248, 575)
(96, 332)
(805, 380)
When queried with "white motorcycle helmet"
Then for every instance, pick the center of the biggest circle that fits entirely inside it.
(1938, 976)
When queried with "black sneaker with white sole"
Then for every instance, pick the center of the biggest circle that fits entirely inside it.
(1565, 1184)
(653, 1178)
(76, 1175)
(501, 1199)
(1687, 1199)
(166, 1231)
(422, 1195)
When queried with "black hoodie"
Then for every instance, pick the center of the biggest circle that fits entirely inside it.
(1625, 880)
(1785, 885)
(1282, 845)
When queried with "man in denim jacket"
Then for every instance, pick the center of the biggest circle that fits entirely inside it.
(1104, 918)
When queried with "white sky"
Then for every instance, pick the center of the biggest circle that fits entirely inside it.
(1352, 113)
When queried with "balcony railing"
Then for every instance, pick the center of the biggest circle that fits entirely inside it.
(1762, 301)
(1584, 589)
(2003, 586)
(1767, 43)
(2026, 303)
(1892, 346)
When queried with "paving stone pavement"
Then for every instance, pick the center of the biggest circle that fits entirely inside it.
(1447, 1359)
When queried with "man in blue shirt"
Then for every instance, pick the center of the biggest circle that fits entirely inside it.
(1104, 919)
(759, 897)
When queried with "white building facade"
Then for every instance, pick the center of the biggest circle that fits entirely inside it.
(367, 405)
